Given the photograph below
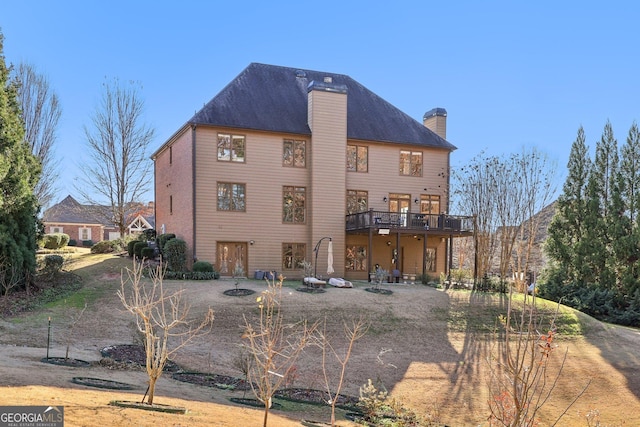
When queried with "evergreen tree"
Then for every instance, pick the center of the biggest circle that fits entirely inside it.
(19, 173)
(630, 177)
(567, 228)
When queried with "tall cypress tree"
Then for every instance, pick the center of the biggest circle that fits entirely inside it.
(19, 172)
(567, 228)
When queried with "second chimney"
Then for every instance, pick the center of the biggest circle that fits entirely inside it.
(436, 120)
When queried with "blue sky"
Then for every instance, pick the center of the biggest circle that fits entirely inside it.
(510, 74)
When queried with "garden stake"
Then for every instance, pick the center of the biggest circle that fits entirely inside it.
(48, 337)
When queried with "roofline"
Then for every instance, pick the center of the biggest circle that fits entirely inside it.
(172, 138)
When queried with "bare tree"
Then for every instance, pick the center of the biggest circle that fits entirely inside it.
(41, 113)
(520, 362)
(353, 332)
(273, 344)
(162, 317)
(120, 169)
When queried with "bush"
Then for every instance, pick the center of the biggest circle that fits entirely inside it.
(53, 264)
(72, 242)
(148, 253)
(163, 239)
(191, 275)
(130, 247)
(103, 247)
(175, 253)
(137, 249)
(87, 243)
(149, 234)
(55, 240)
(203, 266)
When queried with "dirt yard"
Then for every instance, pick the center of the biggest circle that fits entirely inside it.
(416, 347)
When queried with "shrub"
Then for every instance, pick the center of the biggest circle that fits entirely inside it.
(137, 249)
(163, 239)
(191, 275)
(53, 264)
(130, 247)
(55, 240)
(87, 243)
(175, 253)
(72, 242)
(103, 247)
(203, 266)
(149, 234)
(148, 253)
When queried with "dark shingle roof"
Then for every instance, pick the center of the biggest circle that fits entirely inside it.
(274, 98)
(69, 211)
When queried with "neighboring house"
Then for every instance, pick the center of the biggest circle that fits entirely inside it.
(283, 159)
(88, 222)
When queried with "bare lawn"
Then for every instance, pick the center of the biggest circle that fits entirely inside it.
(429, 348)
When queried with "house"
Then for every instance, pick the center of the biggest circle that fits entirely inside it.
(284, 161)
(89, 222)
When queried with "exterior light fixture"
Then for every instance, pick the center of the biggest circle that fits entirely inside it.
(251, 242)
(384, 199)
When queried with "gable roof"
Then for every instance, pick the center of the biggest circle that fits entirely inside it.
(69, 211)
(274, 98)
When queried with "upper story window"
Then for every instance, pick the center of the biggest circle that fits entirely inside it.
(357, 158)
(411, 163)
(293, 204)
(430, 204)
(357, 201)
(294, 153)
(231, 196)
(231, 148)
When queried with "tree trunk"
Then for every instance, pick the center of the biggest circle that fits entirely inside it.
(152, 388)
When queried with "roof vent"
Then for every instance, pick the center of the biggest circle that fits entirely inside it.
(328, 80)
(301, 74)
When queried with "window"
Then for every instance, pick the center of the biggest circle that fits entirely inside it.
(430, 204)
(230, 148)
(293, 204)
(293, 255)
(170, 205)
(356, 258)
(357, 158)
(411, 163)
(231, 196)
(357, 201)
(170, 155)
(430, 259)
(56, 230)
(84, 233)
(294, 153)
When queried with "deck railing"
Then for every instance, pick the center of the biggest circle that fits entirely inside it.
(409, 221)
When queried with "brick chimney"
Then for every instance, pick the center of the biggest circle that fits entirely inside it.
(436, 120)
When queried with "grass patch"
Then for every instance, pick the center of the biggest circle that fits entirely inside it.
(477, 312)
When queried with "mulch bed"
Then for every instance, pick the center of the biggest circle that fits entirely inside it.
(239, 292)
(253, 402)
(380, 291)
(316, 397)
(101, 383)
(66, 361)
(224, 382)
(311, 290)
(155, 407)
(133, 354)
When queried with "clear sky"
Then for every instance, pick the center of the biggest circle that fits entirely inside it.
(510, 74)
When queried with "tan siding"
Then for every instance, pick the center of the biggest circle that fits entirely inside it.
(264, 176)
(328, 121)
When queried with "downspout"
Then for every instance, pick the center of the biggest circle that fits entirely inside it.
(193, 188)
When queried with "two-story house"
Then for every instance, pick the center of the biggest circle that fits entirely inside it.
(284, 160)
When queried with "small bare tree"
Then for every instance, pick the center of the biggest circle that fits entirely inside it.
(69, 332)
(521, 381)
(353, 332)
(162, 317)
(273, 344)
